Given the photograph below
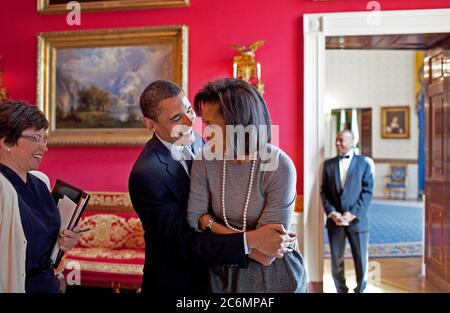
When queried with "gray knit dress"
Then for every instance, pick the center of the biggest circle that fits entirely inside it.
(272, 201)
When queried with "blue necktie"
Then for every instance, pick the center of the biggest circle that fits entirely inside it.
(187, 156)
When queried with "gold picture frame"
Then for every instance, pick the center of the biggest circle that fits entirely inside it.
(89, 82)
(395, 123)
(51, 7)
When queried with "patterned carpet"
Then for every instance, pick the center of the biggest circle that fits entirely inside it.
(395, 230)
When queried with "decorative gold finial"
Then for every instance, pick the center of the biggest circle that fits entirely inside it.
(245, 66)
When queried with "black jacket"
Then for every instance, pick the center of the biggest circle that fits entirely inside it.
(356, 195)
(176, 256)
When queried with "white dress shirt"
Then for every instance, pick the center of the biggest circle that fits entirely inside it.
(344, 164)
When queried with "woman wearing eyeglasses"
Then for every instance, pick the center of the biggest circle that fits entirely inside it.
(29, 218)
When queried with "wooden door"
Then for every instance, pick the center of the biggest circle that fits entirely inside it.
(366, 132)
(437, 181)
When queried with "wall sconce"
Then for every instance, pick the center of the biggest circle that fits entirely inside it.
(245, 66)
(3, 94)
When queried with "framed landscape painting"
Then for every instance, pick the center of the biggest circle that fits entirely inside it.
(60, 6)
(89, 82)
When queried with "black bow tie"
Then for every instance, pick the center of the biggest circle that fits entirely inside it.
(344, 157)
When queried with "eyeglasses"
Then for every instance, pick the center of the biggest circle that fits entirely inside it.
(37, 139)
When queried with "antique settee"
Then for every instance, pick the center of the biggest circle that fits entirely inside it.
(111, 254)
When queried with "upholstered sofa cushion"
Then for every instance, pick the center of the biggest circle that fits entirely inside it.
(112, 252)
(111, 231)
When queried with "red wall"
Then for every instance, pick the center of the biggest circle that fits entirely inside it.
(213, 24)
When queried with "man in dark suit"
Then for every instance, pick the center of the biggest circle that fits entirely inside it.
(346, 192)
(176, 256)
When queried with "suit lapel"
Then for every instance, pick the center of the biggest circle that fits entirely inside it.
(337, 175)
(178, 182)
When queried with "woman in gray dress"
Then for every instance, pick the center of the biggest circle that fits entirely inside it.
(239, 185)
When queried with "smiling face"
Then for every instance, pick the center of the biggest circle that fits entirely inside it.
(27, 155)
(175, 120)
(344, 142)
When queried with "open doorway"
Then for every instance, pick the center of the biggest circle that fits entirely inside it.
(375, 88)
(319, 27)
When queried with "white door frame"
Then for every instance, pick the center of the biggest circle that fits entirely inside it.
(315, 28)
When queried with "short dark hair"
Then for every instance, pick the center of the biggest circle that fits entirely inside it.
(16, 116)
(239, 102)
(154, 93)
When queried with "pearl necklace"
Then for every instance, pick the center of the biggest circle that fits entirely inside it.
(247, 199)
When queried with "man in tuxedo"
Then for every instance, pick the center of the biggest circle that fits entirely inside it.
(346, 192)
(176, 256)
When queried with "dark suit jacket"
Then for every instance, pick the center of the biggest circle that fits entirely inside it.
(176, 256)
(356, 195)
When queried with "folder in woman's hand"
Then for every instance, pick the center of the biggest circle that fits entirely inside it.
(71, 202)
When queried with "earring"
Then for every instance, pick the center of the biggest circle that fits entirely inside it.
(8, 149)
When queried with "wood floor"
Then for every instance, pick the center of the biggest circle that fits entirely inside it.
(388, 275)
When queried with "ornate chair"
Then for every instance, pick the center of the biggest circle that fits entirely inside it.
(396, 180)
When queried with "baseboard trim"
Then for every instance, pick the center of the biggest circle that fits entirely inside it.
(315, 287)
(436, 281)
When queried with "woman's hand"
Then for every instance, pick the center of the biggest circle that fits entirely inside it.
(203, 221)
(68, 239)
